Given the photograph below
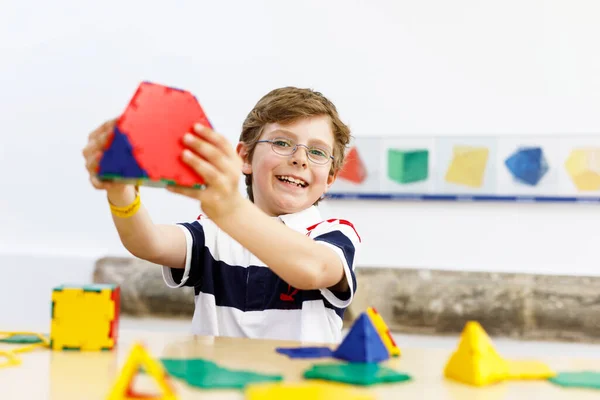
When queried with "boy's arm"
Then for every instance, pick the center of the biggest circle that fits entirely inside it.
(159, 244)
(297, 259)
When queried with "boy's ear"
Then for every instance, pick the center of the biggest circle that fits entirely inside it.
(242, 151)
(331, 178)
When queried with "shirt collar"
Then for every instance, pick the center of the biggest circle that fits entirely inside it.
(303, 219)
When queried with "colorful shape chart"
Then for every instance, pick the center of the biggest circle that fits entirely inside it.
(408, 166)
(527, 165)
(468, 165)
(583, 166)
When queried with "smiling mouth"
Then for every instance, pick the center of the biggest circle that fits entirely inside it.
(293, 181)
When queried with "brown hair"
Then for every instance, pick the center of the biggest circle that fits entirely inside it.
(286, 105)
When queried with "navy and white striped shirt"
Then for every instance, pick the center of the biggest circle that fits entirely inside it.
(236, 294)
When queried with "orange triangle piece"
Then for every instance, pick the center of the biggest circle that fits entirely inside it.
(354, 169)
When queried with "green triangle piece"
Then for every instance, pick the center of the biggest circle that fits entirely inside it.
(578, 379)
(356, 373)
(208, 375)
(27, 339)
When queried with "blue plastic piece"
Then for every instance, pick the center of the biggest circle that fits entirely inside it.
(527, 165)
(305, 352)
(362, 344)
(118, 159)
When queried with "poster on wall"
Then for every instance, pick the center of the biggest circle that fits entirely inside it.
(471, 168)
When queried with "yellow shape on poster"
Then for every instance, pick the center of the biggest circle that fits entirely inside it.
(476, 362)
(303, 391)
(583, 165)
(468, 166)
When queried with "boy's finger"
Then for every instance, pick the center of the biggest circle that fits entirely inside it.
(206, 170)
(207, 151)
(107, 126)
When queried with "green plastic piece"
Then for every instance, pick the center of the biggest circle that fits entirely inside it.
(22, 339)
(356, 373)
(579, 379)
(208, 375)
(408, 166)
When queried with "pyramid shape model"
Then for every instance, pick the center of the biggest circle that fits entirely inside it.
(476, 362)
(362, 344)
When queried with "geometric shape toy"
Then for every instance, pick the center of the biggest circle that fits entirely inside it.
(304, 391)
(526, 369)
(468, 166)
(407, 166)
(146, 144)
(357, 373)
(583, 166)
(475, 361)
(384, 332)
(305, 352)
(527, 165)
(577, 379)
(207, 374)
(85, 317)
(362, 343)
(354, 169)
(138, 359)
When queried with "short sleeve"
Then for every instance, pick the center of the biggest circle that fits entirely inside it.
(191, 273)
(341, 237)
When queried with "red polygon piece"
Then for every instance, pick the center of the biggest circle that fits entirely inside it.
(155, 121)
(354, 169)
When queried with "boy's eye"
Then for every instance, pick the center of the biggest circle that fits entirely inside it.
(282, 143)
(318, 152)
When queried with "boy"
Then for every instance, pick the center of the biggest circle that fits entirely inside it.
(266, 266)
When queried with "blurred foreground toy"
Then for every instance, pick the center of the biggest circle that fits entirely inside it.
(137, 359)
(85, 317)
(146, 145)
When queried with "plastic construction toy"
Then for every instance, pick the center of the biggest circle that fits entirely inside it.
(139, 359)
(146, 145)
(476, 362)
(362, 344)
(303, 391)
(368, 341)
(85, 317)
(31, 341)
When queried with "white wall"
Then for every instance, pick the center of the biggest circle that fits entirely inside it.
(392, 67)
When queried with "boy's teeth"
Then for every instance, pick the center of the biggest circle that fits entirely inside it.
(292, 180)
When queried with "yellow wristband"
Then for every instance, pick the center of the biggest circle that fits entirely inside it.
(128, 210)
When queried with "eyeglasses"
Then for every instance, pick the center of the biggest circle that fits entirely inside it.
(287, 147)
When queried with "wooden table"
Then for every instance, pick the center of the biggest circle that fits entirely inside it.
(44, 374)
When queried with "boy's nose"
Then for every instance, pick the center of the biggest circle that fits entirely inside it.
(300, 157)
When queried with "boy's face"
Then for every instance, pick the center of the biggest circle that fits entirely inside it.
(272, 190)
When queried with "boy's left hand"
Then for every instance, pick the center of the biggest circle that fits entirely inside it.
(216, 161)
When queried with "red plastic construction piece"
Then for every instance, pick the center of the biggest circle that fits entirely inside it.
(354, 169)
(155, 122)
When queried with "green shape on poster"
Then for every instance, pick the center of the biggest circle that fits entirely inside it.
(408, 166)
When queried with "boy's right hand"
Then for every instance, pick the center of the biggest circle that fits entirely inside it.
(92, 153)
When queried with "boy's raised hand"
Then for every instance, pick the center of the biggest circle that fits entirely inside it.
(212, 157)
(93, 151)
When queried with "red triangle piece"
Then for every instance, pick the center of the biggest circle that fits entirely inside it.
(354, 169)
